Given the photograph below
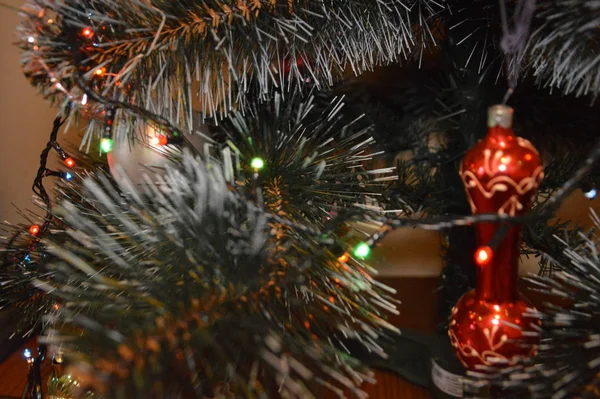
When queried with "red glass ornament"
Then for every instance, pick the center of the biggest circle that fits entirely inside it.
(491, 325)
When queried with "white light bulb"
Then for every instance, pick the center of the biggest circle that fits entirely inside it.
(591, 194)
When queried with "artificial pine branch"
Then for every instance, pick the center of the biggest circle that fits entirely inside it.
(24, 257)
(563, 50)
(180, 287)
(207, 54)
(316, 162)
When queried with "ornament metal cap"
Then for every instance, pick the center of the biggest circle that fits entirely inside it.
(501, 115)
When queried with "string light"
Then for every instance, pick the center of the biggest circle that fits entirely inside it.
(362, 250)
(106, 144)
(58, 358)
(34, 229)
(31, 39)
(100, 71)
(483, 255)
(87, 33)
(344, 258)
(70, 162)
(589, 189)
(591, 194)
(27, 354)
(62, 175)
(42, 172)
(257, 163)
(159, 140)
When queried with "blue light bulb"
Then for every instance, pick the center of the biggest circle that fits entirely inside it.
(27, 353)
(27, 258)
(68, 175)
(591, 194)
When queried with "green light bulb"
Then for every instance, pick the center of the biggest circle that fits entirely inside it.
(257, 163)
(362, 250)
(106, 145)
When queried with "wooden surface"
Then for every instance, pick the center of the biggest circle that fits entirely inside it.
(418, 312)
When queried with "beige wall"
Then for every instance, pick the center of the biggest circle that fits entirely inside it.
(25, 123)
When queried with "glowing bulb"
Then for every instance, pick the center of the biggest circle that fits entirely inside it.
(505, 159)
(34, 229)
(27, 258)
(483, 255)
(502, 168)
(495, 322)
(27, 354)
(87, 32)
(69, 162)
(591, 194)
(362, 250)
(84, 99)
(159, 140)
(497, 308)
(344, 258)
(100, 71)
(257, 163)
(106, 144)
(31, 39)
(67, 175)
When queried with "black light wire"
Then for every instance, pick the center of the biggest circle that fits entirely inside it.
(38, 183)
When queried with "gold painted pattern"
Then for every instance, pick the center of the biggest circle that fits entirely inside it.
(488, 357)
(502, 183)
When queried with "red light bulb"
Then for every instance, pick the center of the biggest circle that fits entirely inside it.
(34, 229)
(483, 255)
(344, 258)
(87, 33)
(159, 140)
(70, 162)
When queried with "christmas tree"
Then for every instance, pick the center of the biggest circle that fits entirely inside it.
(212, 235)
